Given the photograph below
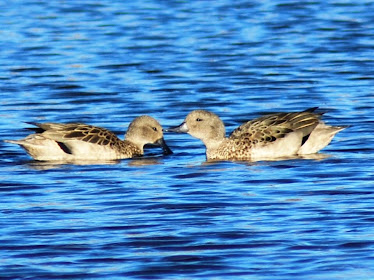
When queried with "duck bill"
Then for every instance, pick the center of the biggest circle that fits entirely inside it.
(182, 128)
(161, 142)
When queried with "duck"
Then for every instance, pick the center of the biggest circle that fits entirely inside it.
(78, 141)
(272, 136)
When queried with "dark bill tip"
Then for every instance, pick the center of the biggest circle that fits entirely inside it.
(161, 142)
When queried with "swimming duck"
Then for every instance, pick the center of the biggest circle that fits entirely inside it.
(77, 141)
(271, 136)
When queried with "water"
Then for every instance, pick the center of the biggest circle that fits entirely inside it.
(178, 217)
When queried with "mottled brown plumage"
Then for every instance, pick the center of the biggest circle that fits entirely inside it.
(76, 141)
(271, 136)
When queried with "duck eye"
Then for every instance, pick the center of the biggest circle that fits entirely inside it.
(154, 128)
(199, 120)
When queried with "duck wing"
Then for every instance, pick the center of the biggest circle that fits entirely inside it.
(271, 127)
(76, 131)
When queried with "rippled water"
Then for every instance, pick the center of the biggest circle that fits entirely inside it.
(178, 217)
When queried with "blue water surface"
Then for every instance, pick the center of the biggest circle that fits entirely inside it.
(178, 216)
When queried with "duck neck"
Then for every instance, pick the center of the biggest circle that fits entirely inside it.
(214, 138)
(135, 142)
(212, 146)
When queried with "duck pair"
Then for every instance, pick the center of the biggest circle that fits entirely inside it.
(271, 136)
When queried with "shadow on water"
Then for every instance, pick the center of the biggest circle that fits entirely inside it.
(150, 160)
(45, 165)
(317, 157)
